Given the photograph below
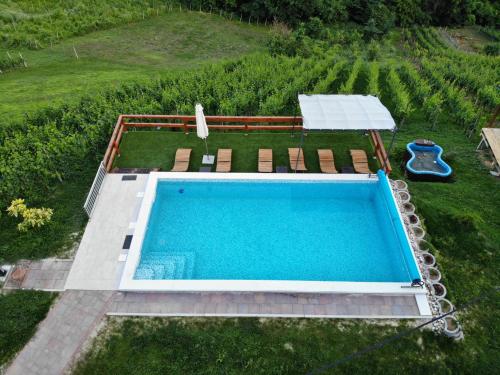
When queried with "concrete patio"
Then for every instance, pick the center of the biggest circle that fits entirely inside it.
(97, 265)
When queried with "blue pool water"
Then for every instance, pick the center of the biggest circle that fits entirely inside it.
(245, 230)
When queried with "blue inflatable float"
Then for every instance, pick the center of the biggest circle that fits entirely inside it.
(424, 162)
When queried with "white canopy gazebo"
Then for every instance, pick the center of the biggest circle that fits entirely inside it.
(348, 112)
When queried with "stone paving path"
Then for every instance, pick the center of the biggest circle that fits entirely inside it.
(76, 314)
(62, 334)
(46, 274)
(269, 304)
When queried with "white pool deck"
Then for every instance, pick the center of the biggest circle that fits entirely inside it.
(100, 260)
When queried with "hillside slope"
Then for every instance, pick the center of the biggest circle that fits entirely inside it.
(136, 51)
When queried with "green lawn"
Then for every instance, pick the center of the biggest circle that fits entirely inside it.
(65, 229)
(149, 149)
(134, 52)
(271, 346)
(20, 313)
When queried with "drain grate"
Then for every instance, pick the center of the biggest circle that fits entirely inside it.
(129, 177)
(127, 242)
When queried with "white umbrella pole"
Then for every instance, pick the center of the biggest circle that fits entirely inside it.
(206, 146)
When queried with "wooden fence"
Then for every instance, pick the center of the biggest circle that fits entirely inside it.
(238, 123)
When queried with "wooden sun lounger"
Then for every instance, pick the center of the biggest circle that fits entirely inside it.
(326, 161)
(182, 156)
(265, 160)
(360, 161)
(300, 165)
(224, 160)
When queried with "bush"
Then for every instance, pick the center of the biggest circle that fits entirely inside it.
(492, 49)
(32, 217)
(373, 50)
(10, 63)
(314, 28)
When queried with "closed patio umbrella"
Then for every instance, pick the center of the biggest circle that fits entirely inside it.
(202, 132)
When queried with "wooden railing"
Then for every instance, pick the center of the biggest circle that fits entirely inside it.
(188, 123)
(240, 123)
(380, 152)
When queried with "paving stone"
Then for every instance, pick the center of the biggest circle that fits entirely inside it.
(309, 309)
(331, 309)
(353, 309)
(243, 308)
(35, 265)
(286, 298)
(286, 308)
(303, 300)
(254, 308)
(217, 298)
(266, 309)
(313, 300)
(342, 309)
(298, 309)
(221, 308)
(397, 309)
(59, 336)
(325, 299)
(260, 298)
(210, 308)
(199, 308)
(319, 309)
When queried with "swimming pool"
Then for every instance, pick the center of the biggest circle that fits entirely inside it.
(259, 232)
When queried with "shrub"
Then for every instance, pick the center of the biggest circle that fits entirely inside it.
(16, 208)
(314, 28)
(32, 217)
(373, 50)
(492, 49)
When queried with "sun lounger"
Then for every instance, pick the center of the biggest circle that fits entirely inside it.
(224, 160)
(360, 161)
(296, 156)
(326, 161)
(182, 156)
(265, 160)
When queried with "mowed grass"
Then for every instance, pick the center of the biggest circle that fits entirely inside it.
(156, 149)
(271, 346)
(133, 52)
(20, 313)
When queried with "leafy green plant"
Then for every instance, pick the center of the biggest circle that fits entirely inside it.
(32, 217)
(348, 86)
(399, 95)
(492, 49)
(10, 63)
(17, 208)
(373, 50)
(42, 23)
(373, 79)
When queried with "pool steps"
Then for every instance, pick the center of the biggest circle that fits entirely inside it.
(155, 265)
